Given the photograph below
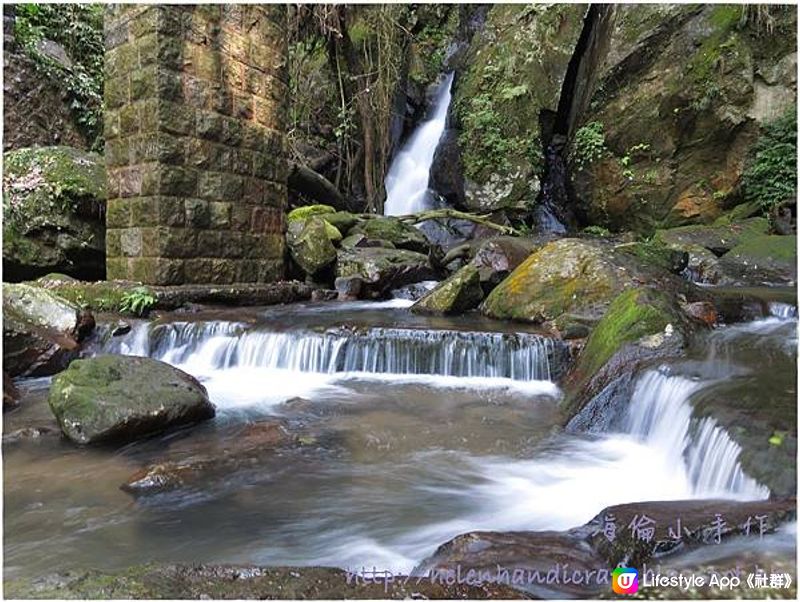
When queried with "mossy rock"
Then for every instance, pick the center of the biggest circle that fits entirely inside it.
(718, 239)
(41, 330)
(459, 293)
(310, 244)
(343, 221)
(303, 213)
(391, 229)
(634, 314)
(763, 259)
(116, 398)
(568, 276)
(53, 210)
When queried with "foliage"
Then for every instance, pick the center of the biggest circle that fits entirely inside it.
(138, 301)
(78, 28)
(770, 178)
(598, 231)
(589, 144)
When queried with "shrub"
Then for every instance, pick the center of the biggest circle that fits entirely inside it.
(138, 301)
(589, 144)
(770, 179)
(79, 29)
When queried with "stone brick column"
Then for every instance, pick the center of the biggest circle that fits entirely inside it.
(195, 143)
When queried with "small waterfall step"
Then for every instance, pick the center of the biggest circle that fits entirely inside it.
(380, 350)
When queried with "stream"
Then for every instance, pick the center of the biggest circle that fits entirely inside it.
(418, 429)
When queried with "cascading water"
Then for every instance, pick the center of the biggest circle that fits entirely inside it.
(224, 345)
(407, 180)
(661, 415)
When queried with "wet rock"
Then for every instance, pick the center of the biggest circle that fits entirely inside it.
(702, 311)
(310, 245)
(447, 170)
(348, 289)
(538, 555)
(359, 240)
(244, 582)
(699, 525)
(703, 266)
(641, 325)
(120, 328)
(497, 257)
(216, 454)
(42, 332)
(382, 270)
(719, 239)
(763, 259)
(10, 393)
(400, 234)
(459, 293)
(123, 398)
(53, 217)
(301, 214)
(29, 433)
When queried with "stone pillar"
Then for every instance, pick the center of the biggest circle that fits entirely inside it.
(195, 143)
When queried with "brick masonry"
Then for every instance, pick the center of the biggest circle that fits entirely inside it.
(195, 143)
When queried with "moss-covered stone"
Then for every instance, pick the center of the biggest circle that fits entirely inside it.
(343, 221)
(459, 293)
(310, 244)
(391, 229)
(634, 314)
(568, 276)
(122, 398)
(763, 258)
(41, 330)
(53, 213)
(303, 213)
(718, 239)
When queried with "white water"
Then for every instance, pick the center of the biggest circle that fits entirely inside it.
(409, 173)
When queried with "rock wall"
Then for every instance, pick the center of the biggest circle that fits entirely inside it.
(195, 143)
(682, 92)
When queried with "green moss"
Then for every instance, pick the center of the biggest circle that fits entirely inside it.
(779, 248)
(97, 296)
(302, 213)
(634, 314)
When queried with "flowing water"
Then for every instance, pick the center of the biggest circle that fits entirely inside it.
(418, 429)
(407, 180)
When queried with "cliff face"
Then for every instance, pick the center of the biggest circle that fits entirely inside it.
(660, 106)
(682, 94)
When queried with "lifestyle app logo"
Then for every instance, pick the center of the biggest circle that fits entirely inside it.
(624, 580)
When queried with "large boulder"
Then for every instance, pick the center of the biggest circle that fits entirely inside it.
(382, 270)
(310, 244)
(497, 257)
(575, 280)
(116, 398)
(683, 92)
(763, 259)
(42, 332)
(53, 213)
(717, 238)
(459, 293)
(391, 229)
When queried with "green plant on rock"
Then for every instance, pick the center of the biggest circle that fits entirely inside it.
(589, 144)
(138, 301)
(78, 28)
(770, 179)
(598, 231)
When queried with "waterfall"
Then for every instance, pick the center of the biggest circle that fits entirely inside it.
(785, 311)
(409, 173)
(223, 345)
(661, 415)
